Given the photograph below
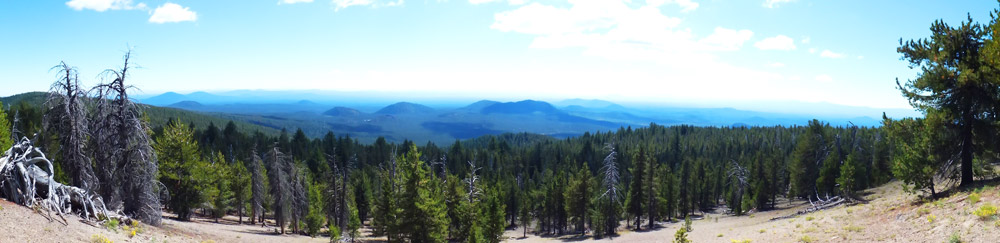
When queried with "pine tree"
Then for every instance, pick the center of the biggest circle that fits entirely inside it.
(6, 138)
(637, 194)
(217, 191)
(919, 151)
(847, 180)
(424, 215)
(315, 219)
(810, 151)
(957, 84)
(181, 170)
(578, 197)
(239, 185)
(492, 216)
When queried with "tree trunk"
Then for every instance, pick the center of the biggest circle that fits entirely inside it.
(967, 152)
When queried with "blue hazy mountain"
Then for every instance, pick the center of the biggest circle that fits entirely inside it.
(443, 121)
(341, 111)
(403, 108)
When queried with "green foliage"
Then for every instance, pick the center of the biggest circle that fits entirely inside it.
(334, 233)
(578, 195)
(111, 224)
(636, 193)
(986, 211)
(353, 224)
(184, 174)
(239, 186)
(687, 224)
(315, 219)
(803, 169)
(492, 216)
(423, 216)
(956, 84)
(847, 180)
(681, 236)
(5, 137)
(217, 192)
(918, 151)
(955, 238)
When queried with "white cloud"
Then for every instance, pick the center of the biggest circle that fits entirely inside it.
(812, 50)
(639, 32)
(831, 54)
(861, 57)
(104, 5)
(727, 39)
(294, 1)
(780, 42)
(775, 3)
(342, 4)
(686, 5)
(806, 40)
(172, 13)
(776, 65)
(824, 78)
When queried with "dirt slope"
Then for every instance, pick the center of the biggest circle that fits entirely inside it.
(890, 216)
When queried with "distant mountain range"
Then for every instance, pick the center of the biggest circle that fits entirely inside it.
(444, 121)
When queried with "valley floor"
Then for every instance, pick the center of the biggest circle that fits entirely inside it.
(890, 216)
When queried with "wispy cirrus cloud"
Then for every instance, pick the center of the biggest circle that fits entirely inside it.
(775, 3)
(293, 1)
(779, 42)
(342, 4)
(831, 54)
(104, 5)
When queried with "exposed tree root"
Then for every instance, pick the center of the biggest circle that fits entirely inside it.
(26, 178)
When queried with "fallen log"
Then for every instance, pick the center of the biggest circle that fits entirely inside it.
(822, 204)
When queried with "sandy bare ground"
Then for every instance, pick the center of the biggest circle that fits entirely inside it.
(22, 224)
(889, 216)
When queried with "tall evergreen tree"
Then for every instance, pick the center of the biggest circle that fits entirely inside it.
(957, 83)
(810, 151)
(637, 194)
(424, 217)
(182, 171)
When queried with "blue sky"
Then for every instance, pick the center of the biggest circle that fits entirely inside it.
(707, 52)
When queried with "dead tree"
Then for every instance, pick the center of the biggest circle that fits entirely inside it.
(26, 178)
(278, 167)
(300, 198)
(739, 179)
(126, 164)
(66, 117)
(472, 183)
(610, 199)
(256, 187)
